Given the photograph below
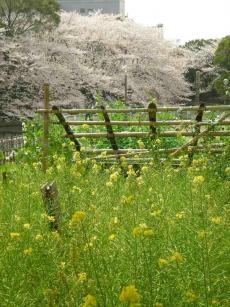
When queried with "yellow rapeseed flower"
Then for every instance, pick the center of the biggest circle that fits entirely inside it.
(215, 219)
(162, 262)
(112, 237)
(114, 176)
(148, 233)
(177, 257)
(77, 217)
(82, 277)
(39, 237)
(141, 144)
(144, 169)
(50, 218)
(180, 215)
(137, 231)
(157, 141)
(140, 180)
(190, 296)
(28, 251)
(14, 235)
(198, 180)
(55, 235)
(158, 305)
(201, 234)
(129, 294)
(156, 213)
(126, 200)
(27, 226)
(89, 301)
(85, 127)
(109, 184)
(215, 302)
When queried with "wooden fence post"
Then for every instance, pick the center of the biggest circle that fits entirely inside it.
(4, 177)
(52, 205)
(46, 129)
(152, 118)
(199, 118)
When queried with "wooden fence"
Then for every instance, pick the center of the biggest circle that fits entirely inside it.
(194, 129)
(8, 145)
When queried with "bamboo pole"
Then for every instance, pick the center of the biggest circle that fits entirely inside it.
(67, 128)
(146, 134)
(138, 151)
(45, 128)
(108, 150)
(109, 128)
(140, 110)
(204, 133)
(198, 148)
(144, 123)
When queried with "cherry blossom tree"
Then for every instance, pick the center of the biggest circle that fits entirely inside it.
(86, 55)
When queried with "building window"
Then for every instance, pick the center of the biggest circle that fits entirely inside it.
(82, 11)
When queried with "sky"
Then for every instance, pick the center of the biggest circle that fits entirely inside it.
(183, 20)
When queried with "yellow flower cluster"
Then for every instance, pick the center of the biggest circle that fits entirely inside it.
(129, 294)
(198, 180)
(141, 144)
(162, 262)
(14, 235)
(127, 200)
(89, 301)
(190, 296)
(144, 230)
(82, 277)
(176, 256)
(215, 220)
(77, 217)
(112, 237)
(28, 251)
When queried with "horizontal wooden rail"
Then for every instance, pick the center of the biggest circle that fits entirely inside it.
(129, 158)
(108, 150)
(215, 148)
(144, 123)
(145, 134)
(139, 110)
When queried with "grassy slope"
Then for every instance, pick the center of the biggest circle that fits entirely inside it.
(160, 215)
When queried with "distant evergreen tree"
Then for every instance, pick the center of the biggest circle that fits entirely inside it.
(20, 16)
(222, 60)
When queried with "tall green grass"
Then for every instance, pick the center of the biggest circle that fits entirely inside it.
(158, 239)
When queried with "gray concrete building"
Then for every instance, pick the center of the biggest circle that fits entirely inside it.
(85, 7)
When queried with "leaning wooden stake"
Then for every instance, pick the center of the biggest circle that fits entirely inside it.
(46, 128)
(201, 134)
(110, 134)
(67, 128)
(199, 118)
(52, 205)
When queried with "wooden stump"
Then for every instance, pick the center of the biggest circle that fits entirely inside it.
(52, 205)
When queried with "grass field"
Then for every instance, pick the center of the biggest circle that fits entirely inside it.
(158, 239)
